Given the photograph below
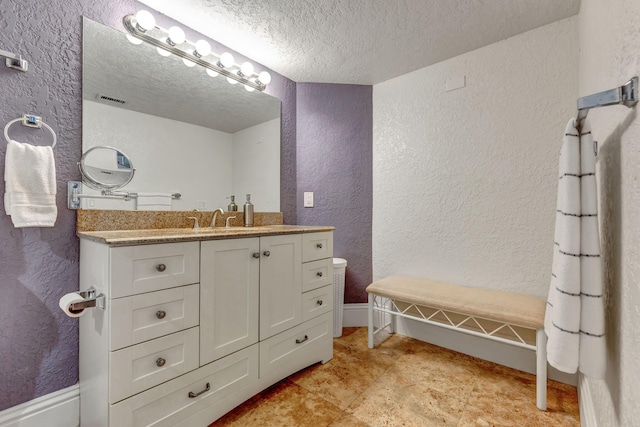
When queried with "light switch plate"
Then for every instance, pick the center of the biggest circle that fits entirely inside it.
(308, 199)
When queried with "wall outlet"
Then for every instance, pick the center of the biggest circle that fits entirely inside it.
(308, 199)
(202, 204)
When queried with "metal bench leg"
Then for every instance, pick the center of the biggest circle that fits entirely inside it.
(370, 320)
(541, 369)
(392, 318)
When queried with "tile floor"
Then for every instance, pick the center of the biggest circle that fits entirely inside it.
(404, 382)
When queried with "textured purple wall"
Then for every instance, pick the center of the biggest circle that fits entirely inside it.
(38, 343)
(334, 160)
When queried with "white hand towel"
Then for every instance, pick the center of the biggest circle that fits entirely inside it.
(574, 321)
(30, 185)
(154, 202)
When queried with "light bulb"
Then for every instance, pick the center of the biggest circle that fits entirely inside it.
(145, 19)
(247, 68)
(188, 63)
(249, 88)
(203, 48)
(163, 52)
(176, 36)
(264, 77)
(232, 81)
(211, 72)
(133, 40)
(226, 59)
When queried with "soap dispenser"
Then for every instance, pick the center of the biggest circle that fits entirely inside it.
(248, 212)
(232, 206)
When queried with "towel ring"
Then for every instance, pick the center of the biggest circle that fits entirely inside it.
(24, 120)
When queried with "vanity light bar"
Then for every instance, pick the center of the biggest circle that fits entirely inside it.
(139, 31)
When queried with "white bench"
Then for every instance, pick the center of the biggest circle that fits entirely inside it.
(501, 316)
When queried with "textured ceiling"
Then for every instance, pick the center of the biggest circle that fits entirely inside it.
(164, 86)
(360, 41)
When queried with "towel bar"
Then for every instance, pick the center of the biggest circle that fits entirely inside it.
(627, 95)
(31, 121)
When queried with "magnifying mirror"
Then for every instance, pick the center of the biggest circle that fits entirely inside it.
(105, 168)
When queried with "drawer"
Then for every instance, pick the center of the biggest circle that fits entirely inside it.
(139, 318)
(170, 403)
(140, 269)
(317, 302)
(316, 274)
(142, 366)
(285, 351)
(317, 246)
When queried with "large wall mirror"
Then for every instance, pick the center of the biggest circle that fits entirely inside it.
(186, 132)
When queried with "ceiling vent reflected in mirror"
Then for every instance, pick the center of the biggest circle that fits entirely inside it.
(109, 99)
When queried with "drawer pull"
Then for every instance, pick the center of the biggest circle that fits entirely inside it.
(160, 314)
(319, 302)
(256, 254)
(306, 337)
(319, 274)
(161, 267)
(266, 253)
(194, 395)
(160, 362)
(319, 246)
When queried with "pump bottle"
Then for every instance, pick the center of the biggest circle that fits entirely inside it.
(248, 212)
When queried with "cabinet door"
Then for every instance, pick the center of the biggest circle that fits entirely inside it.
(229, 274)
(280, 283)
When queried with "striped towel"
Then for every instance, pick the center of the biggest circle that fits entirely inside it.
(574, 320)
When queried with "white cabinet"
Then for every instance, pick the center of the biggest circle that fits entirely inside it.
(143, 317)
(229, 296)
(193, 329)
(215, 388)
(280, 284)
(148, 332)
(142, 366)
(139, 269)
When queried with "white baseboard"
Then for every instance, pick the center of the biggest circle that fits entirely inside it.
(57, 409)
(502, 354)
(354, 315)
(585, 401)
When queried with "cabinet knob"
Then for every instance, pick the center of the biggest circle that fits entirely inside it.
(256, 254)
(319, 246)
(266, 253)
(160, 362)
(319, 274)
(161, 267)
(319, 302)
(306, 337)
(160, 314)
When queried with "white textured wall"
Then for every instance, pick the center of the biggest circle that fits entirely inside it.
(609, 56)
(256, 166)
(465, 181)
(169, 156)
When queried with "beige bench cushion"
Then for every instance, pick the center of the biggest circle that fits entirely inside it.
(523, 310)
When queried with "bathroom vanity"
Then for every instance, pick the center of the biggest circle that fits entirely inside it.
(198, 321)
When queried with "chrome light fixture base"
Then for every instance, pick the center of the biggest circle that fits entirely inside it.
(130, 23)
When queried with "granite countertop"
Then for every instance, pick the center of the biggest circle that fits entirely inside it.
(168, 235)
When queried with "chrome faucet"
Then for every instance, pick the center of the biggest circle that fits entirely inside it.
(213, 220)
